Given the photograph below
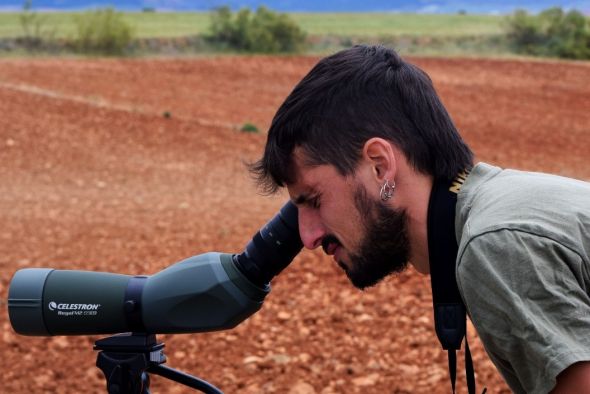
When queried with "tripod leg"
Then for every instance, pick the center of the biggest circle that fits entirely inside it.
(184, 378)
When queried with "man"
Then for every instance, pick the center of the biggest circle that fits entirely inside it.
(360, 144)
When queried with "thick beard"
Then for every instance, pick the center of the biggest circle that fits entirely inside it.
(384, 249)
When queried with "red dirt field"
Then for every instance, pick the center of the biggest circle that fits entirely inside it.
(93, 176)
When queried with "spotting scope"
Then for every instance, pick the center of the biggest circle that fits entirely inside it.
(207, 292)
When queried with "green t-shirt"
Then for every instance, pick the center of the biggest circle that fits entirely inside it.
(523, 270)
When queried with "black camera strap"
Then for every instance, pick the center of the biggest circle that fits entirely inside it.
(449, 310)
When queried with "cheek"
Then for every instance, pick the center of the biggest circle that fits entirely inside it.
(342, 222)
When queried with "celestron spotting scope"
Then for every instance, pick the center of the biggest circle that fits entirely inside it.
(207, 292)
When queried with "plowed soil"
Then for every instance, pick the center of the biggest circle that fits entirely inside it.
(94, 176)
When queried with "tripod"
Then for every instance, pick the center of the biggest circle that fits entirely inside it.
(126, 359)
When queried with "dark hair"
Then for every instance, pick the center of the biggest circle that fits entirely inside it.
(350, 97)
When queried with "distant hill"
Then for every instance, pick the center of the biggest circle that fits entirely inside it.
(423, 6)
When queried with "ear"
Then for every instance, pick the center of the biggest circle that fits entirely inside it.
(378, 153)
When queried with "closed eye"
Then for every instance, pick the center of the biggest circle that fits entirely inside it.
(314, 202)
(311, 201)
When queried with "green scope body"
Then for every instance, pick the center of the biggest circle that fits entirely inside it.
(208, 292)
(202, 293)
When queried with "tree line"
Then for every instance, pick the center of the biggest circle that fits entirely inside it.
(550, 33)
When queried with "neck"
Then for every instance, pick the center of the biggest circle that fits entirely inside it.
(413, 190)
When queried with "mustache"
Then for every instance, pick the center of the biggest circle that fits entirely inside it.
(328, 240)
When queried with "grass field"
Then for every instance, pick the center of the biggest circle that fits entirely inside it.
(378, 24)
(161, 24)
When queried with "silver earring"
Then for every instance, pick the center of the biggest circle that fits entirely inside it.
(387, 190)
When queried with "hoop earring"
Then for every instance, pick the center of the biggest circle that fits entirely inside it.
(387, 190)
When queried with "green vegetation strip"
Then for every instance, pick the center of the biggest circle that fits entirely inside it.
(379, 24)
(176, 24)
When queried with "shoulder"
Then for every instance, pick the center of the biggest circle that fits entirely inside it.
(548, 206)
(511, 254)
(516, 258)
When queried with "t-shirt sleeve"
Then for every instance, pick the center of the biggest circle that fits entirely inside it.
(528, 301)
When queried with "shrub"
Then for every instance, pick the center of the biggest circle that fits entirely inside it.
(262, 31)
(524, 31)
(551, 33)
(249, 128)
(102, 31)
(33, 26)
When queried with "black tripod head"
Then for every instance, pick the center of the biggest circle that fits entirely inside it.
(127, 359)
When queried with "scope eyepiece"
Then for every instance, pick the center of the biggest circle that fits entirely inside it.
(272, 248)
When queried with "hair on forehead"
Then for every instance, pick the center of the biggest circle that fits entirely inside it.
(350, 97)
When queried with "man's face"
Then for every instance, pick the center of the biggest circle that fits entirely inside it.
(367, 238)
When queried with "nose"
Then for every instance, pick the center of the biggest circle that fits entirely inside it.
(311, 229)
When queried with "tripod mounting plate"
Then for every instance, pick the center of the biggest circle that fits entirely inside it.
(125, 359)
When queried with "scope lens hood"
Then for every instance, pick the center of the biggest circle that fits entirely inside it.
(25, 301)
